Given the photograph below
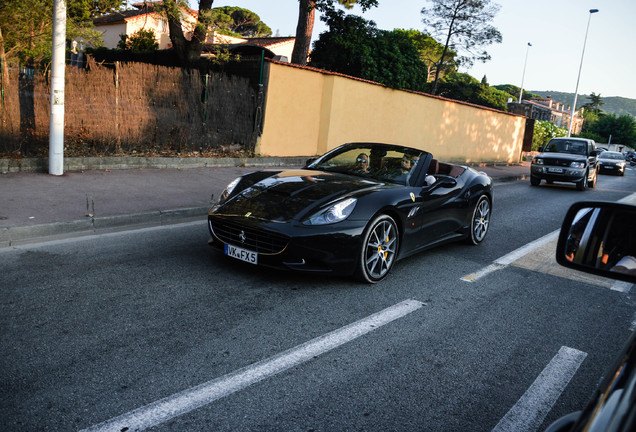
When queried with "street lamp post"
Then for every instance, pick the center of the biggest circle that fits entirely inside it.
(576, 92)
(524, 72)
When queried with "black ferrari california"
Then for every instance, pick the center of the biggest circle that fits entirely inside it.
(353, 211)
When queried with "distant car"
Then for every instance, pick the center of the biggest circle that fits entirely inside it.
(600, 238)
(353, 211)
(612, 162)
(572, 160)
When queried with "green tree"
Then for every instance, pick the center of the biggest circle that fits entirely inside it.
(543, 132)
(589, 118)
(513, 91)
(27, 26)
(188, 51)
(86, 10)
(237, 21)
(595, 103)
(621, 128)
(306, 17)
(465, 25)
(463, 87)
(140, 41)
(430, 53)
(356, 47)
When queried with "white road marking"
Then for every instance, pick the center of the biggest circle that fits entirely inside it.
(483, 272)
(511, 257)
(622, 286)
(530, 411)
(206, 393)
(89, 237)
(629, 199)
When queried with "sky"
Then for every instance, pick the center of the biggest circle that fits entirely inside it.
(555, 28)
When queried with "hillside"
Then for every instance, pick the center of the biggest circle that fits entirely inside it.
(614, 104)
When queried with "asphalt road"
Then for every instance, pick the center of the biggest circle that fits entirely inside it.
(97, 327)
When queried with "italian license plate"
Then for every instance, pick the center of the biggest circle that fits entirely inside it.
(241, 254)
(555, 170)
(608, 166)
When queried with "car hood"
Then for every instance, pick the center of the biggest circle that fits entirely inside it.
(292, 194)
(562, 156)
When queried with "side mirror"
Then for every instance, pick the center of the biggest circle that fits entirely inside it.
(595, 153)
(446, 182)
(599, 238)
(310, 161)
(540, 149)
(442, 182)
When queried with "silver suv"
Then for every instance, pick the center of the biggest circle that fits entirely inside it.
(572, 160)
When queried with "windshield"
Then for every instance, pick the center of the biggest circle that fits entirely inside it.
(566, 146)
(611, 155)
(384, 163)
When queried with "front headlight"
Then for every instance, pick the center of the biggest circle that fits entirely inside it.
(538, 161)
(336, 213)
(577, 165)
(228, 190)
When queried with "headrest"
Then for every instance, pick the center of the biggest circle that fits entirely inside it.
(433, 167)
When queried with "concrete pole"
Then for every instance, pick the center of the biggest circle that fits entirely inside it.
(56, 136)
(524, 72)
(576, 91)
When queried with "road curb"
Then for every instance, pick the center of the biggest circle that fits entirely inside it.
(40, 165)
(511, 178)
(14, 236)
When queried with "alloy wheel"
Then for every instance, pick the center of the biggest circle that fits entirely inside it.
(379, 249)
(480, 221)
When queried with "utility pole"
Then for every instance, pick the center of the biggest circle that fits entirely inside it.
(524, 72)
(56, 136)
(576, 92)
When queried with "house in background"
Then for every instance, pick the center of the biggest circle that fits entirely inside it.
(280, 47)
(112, 26)
(277, 48)
(143, 17)
(547, 110)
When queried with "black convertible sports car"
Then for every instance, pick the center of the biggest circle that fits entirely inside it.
(355, 210)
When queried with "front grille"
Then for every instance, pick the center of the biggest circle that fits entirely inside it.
(558, 162)
(253, 239)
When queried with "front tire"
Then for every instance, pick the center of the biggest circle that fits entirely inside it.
(580, 185)
(534, 181)
(592, 184)
(379, 249)
(480, 220)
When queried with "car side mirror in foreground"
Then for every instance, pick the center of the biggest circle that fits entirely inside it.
(443, 182)
(599, 238)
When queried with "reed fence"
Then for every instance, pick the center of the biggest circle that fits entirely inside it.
(130, 108)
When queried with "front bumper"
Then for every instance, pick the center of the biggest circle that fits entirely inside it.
(323, 249)
(562, 174)
(611, 168)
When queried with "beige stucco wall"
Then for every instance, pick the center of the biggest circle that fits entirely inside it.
(110, 33)
(309, 112)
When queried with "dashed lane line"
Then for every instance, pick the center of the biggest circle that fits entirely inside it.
(531, 409)
(518, 254)
(183, 402)
(511, 257)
